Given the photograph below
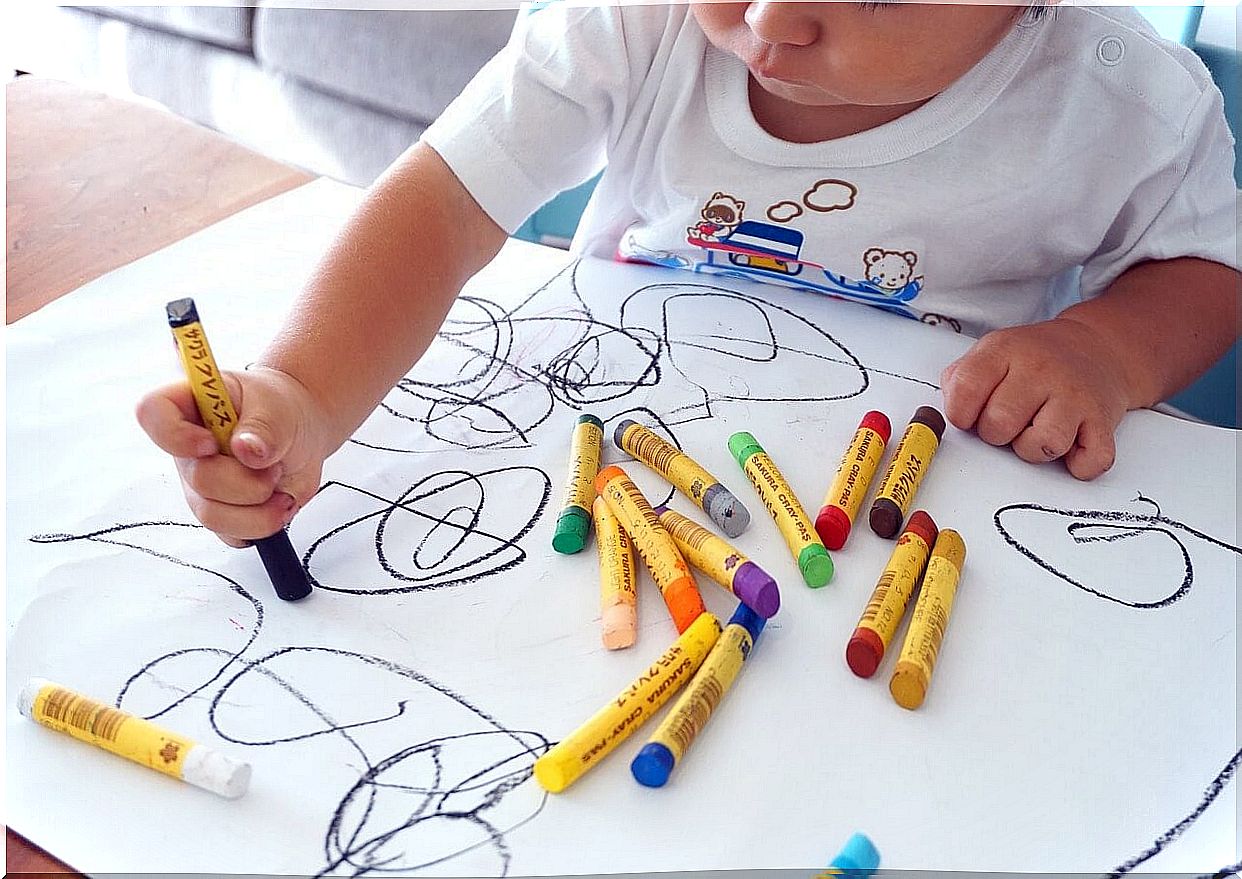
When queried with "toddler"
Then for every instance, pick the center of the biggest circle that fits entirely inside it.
(1057, 183)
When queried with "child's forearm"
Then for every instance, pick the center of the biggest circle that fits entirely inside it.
(1166, 322)
(380, 294)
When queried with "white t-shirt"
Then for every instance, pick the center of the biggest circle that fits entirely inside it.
(1079, 146)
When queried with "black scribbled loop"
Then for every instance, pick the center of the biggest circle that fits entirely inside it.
(1170, 836)
(1106, 526)
(103, 536)
(457, 565)
(504, 391)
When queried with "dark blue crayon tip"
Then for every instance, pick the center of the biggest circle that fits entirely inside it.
(653, 764)
(747, 619)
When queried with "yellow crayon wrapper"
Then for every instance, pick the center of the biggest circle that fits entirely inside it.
(910, 462)
(574, 523)
(133, 738)
(712, 555)
(917, 661)
(711, 682)
(858, 466)
(618, 578)
(612, 724)
(786, 510)
(654, 544)
(667, 460)
(584, 462)
(909, 465)
(210, 394)
(887, 606)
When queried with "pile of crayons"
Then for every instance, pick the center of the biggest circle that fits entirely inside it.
(707, 657)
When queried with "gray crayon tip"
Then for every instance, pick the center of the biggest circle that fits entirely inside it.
(620, 430)
(725, 510)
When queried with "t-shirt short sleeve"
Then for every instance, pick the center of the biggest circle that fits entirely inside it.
(1184, 206)
(537, 119)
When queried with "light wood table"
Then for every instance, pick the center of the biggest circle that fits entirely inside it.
(95, 182)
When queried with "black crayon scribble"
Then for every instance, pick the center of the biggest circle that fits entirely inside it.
(433, 796)
(1108, 526)
(1086, 527)
(108, 536)
(449, 528)
(1170, 836)
(512, 367)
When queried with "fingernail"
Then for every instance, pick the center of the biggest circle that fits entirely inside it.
(1048, 453)
(253, 443)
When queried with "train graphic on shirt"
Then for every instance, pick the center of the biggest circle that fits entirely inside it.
(754, 250)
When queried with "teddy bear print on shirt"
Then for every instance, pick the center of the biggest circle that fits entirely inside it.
(721, 215)
(889, 269)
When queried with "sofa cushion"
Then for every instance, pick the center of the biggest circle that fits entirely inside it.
(409, 63)
(228, 26)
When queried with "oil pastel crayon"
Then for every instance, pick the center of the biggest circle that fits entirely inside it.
(618, 578)
(133, 738)
(800, 536)
(849, 487)
(858, 858)
(914, 668)
(887, 606)
(721, 562)
(707, 492)
(693, 708)
(574, 523)
(216, 409)
(611, 725)
(911, 460)
(657, 548)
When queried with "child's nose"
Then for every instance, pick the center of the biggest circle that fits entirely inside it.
(783, 22)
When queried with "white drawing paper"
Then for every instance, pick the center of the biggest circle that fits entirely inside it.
(1082, 716)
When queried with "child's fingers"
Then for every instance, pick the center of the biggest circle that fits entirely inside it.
(1094, 450)
(1009, 410)
(170, 418)
(1051, 433)
(970, 383)
(220, 478)
(242, 522)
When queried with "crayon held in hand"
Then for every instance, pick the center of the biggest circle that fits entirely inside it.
(911, 460)
(216, 409)
(613, 724)
(927, 624)
(131, 737)
(724, 564)
(804, 544)
(574, 523)
(668, 568)
(693, 708)
(618, 578)
(892, 593)
(707, 492)
(858, 467)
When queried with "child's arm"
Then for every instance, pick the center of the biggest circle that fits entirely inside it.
(369, 311)
(1060, 388)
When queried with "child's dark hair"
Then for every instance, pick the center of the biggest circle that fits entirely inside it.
(1037, 11)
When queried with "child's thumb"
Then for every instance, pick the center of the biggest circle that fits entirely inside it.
(260, 441)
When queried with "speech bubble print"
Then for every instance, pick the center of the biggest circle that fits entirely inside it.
(784, 211)
(830, 195)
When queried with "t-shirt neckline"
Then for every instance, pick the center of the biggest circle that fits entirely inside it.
(728, 103)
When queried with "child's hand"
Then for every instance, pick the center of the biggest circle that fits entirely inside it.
(277, 449)
(1053, 389)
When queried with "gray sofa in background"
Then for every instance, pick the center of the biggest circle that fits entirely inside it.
(337, 92)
